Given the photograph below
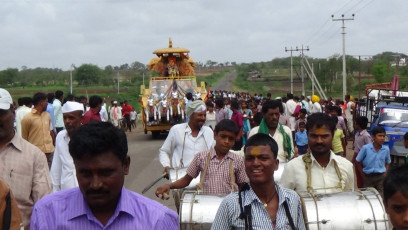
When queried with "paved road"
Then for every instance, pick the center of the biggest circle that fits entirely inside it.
(226, 82)
(144, 165)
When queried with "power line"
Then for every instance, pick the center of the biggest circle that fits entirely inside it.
(343, 7)
(354, 6)
(368, 3)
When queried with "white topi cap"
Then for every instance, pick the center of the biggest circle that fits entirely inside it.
(71, 106)
(5, 99)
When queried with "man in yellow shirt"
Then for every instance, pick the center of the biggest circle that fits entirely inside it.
(339, 141)
(37, 129)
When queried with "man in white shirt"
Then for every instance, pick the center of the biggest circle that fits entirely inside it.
(103, 113)
(57, 105)
(280, 133)
(115, 114)
(186, 139)
(320, 170)
(316, 107)
(63, 175)
(22, 111)
(290, 109)
(349, 115)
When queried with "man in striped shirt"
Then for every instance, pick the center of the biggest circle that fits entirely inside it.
(222, 171)
(99, 151)
(262, 204)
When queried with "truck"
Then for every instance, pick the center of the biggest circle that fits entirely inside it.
(388, 108)
(163, 101)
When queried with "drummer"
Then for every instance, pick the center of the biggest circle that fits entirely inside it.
(222, 171)
(187, 139)
(262, 204)
(320, 169)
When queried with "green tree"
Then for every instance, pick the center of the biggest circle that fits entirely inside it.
(88, 74)
(379, 70)
(8, 76)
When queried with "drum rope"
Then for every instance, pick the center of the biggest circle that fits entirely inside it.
(317, 210)
(371, 206)
(191, 210)
(307, 159)
(207, 163)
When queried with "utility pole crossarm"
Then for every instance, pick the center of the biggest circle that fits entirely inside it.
(291, 67)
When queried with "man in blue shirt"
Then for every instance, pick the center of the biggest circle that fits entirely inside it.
(374, 159)
(261, 204)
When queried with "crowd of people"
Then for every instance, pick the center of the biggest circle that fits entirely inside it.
(62, 164)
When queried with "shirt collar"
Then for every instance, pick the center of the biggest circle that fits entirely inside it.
(213, 154)
(251, 197)
(34, 111)
(82, 208)
(362, 132)
(188, 130)
(332, 158)
(372, 147)
(16, 142)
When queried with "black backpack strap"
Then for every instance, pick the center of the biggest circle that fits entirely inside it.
(248, 217)
(7, 213)
(292, 225)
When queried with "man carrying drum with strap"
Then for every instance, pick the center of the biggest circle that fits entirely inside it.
(261, 204)
(222, 171)
(187, 139)
(319, 170)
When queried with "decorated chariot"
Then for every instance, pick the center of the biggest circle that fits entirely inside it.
(163, 102)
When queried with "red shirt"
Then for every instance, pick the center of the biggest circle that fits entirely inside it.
(91, 115)
(126, 109)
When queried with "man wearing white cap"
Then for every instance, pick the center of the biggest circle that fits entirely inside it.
(187, 139)
(63, 173)
(23, 165)
(115, 113)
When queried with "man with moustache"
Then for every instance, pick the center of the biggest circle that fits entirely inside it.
(23, 167)
(187, 139)
(261, 204)
(319, 170)
(100, 154)
(280, 133)
(63, 175)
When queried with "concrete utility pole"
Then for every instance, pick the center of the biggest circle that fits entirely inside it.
(70, 79)
(344, 49)
(301, 69)
(118, 80)
(291, 67)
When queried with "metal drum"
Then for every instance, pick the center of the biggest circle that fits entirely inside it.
(178, 173)
(347, 210)
(197, 211)
(278, 174)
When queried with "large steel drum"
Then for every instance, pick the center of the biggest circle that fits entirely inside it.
(197, 211)
(347, 210)
(178, 173)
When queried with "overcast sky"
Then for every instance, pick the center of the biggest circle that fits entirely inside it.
(58, 33)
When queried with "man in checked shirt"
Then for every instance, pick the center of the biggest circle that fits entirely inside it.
(222, 171)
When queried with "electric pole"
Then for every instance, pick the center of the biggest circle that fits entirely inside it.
(301, 66)
(291, 67)
(343, 27)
